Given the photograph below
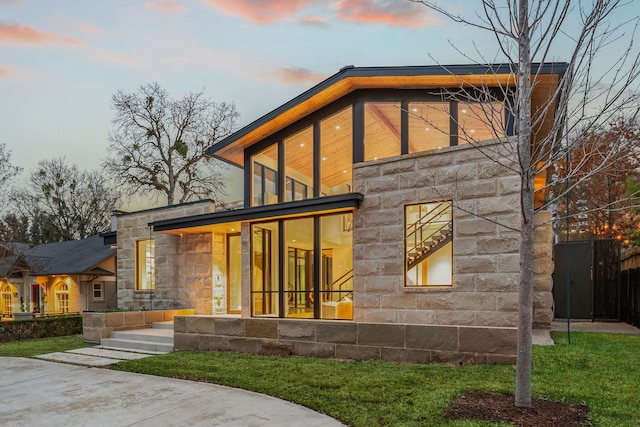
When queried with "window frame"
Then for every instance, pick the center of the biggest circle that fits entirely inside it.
(149, 264)
(407, 235)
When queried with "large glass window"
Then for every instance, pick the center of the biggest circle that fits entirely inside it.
(336, 273)
(265, 177)
(264, 272)
(429, 244)
(336, 151)
(299, 244)
(381, 130)
(429, 126)
(145, 265)
(480, 121)
(298, 153)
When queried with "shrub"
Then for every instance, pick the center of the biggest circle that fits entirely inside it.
(43, 327)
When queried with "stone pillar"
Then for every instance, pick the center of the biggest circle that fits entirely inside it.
(543, 269)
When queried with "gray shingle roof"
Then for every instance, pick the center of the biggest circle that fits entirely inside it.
(70, 257)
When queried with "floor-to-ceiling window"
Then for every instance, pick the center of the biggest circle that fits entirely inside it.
(264, 171)
(382, 130)
(265, 269)
(299, 249)
(317, 276)
(298, 154)
(234, 273)
(336, 153)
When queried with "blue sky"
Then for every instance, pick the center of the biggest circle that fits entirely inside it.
(61, 61)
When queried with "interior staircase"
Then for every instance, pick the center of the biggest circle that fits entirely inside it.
(427, 235)
(155, 340)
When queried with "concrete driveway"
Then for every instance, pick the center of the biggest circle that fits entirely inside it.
(37, 392)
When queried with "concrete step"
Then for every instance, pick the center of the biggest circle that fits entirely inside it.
(164, 336)
(155, 340)
(136, 345)
(163, 325)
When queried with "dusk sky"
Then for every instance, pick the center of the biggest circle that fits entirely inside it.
(61, 61)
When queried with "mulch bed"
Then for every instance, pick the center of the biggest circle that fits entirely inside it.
(501, 408)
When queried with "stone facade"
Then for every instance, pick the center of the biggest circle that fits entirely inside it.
(183, 262)
(486, 240)
(347, 340)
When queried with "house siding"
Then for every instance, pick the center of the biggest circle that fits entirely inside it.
(486, 240)
(183, 263)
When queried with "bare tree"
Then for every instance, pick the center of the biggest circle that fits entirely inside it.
(588, 95)
(65, 203)
(159, 144)
(7, 171)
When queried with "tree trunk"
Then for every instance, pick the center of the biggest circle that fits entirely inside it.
(525, 311)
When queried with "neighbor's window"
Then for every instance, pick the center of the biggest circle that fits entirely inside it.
(97, 291)
(145, 265)
(428, 244)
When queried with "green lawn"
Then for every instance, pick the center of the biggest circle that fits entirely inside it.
(34, 347)
(601, 370)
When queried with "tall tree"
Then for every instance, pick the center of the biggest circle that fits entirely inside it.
(589, 94)
(159, 144)
(7, 172)
(65, 203)
(599, 205)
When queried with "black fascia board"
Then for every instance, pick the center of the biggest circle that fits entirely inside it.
(414, 70)
(340, 201)
(109, 238)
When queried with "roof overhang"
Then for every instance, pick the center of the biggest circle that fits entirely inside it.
(349, 79)
(207, 222)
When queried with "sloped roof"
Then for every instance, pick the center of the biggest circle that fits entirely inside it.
(350, 78)
(70, 257)
(11, 258)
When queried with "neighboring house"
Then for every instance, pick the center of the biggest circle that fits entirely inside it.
(59, 278)
(370, 226)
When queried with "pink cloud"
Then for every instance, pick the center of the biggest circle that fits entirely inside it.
(296, 75)
(5, 72)
(91, 29)
(390, 12)
(106, 56)
(20, 34)
(172, 7)
(261, 11)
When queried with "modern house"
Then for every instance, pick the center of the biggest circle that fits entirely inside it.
(58, 278)
(380, 221)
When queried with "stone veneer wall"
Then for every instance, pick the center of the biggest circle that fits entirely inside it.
(485, 255)
(347, 340)
(183, 263)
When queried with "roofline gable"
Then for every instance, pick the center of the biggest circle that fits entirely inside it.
(351, 78)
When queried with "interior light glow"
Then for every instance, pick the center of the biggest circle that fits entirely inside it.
(463, 111)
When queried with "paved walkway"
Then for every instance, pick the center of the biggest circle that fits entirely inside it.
(39, 392)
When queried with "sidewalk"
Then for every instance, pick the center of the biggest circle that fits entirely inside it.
(38, 392)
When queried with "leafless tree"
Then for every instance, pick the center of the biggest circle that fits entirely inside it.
(7, 172)
(65, 203)
(159, 144)
(591, 92)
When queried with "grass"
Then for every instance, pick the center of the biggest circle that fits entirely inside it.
(601, 370)
(34, 347)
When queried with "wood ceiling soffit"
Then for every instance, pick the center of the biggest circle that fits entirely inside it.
(234, 152)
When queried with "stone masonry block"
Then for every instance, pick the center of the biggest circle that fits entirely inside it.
(230, 327)
(213, 343)
(185, 341)
(180, 324)
(336, 332)
(476, 264)
(431, 337)
(314, 349)
(245, 345)
(377, 316)
(357, 352)
(488, 340)
(387, 335)
(296, 330)
(278, 348)
(261, 328)
(405, 355)
(200, 325)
